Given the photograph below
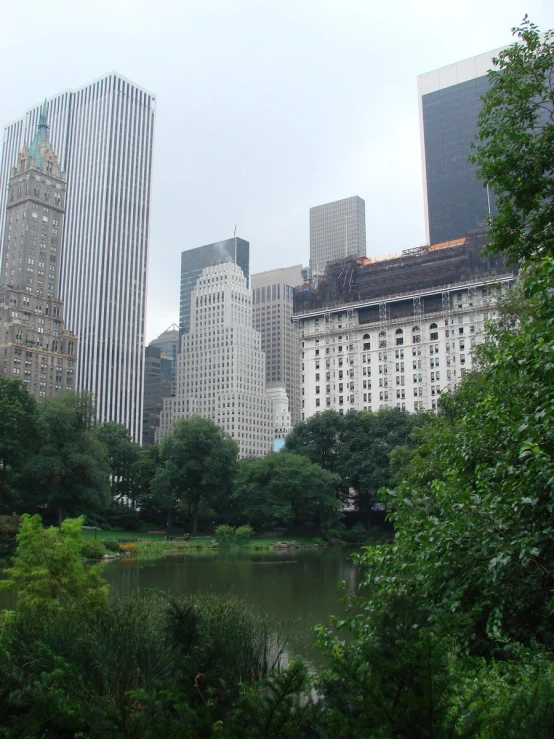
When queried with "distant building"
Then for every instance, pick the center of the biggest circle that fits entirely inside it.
(35, 347)
(396, 332)
(337, 230)
(103, 134)
(168, 344)
(158, 381)
(282, 425)
(221, 366)
(193, 261)
(272, 301)
(449, 104)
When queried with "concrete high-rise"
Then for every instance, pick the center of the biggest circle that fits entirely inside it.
(272, 300)
(193, 261)
(449, 104)
(221, 367)
(337, 230)
(168, 344)
(103, 135)
(34, 345)
(158, 381)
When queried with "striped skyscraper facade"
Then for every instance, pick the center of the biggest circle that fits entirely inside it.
(103, 134)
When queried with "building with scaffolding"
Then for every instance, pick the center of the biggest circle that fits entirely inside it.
(395, 332)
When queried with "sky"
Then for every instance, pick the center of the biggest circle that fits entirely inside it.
(265, 108)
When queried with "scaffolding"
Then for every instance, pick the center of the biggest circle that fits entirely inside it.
(385, 357)
(450, 339)
(420, 346)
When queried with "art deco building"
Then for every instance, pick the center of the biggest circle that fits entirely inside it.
(337, 230)
(396, 332)
(193, 261)
(158, 382)
(272, 301)
(221, 367)
(103, 136)
(34, 344)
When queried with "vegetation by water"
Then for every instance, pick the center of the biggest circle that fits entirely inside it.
(452, 632)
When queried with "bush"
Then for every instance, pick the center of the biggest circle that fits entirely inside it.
(112, 545)
(357, 534)
(130, 547)
(243, 534)
(224, 534)
(93, 549)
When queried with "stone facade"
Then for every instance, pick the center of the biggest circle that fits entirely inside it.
(34, 344)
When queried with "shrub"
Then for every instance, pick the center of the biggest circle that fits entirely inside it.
(357, 534)
(243, 534)
(93, 549)
(224, 534)
(112, 545)
(130, 547)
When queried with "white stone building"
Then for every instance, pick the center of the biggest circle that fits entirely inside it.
(282, 424)
(396, 352)
(221, 367)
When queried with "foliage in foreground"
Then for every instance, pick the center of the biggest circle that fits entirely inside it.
(146, 667)
(48, 572)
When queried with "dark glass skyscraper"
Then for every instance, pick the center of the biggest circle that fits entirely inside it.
(194, 261)
(449, 104)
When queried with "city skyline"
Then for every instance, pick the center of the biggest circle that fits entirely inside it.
(248, 135)
(102, 133)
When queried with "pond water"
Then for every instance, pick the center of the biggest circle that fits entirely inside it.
(299, 585)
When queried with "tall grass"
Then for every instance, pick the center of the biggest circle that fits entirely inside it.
(104, 675)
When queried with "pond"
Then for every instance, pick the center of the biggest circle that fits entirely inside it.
(298, 585)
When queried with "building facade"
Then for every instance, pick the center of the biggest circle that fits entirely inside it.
(193, 261)
(221, 366)
(272, 302)
(449, 104)
(405, 337)
(35, 347)
(282, 422)
(337, 230)
(158, 384)
(168, 344)
(103, 135)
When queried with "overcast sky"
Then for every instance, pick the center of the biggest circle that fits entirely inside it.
(264, 108)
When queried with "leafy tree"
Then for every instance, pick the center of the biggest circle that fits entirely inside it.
(363, 453)
(18, 431)
(123, 456)
(70, 469)
(516, 141)
(48, 571)
(197, 466)
(283, 488)
(318, 439)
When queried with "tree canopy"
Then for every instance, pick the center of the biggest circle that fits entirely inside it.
(282, 489)
(197, 466)
(516, 141)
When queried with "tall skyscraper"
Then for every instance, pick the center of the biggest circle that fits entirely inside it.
(103, 135)
(337, 230)
(34, 345)
(193, 261)
(221, 367)
(449, 104)
(168, 344)
(158, 381)
(272, 300)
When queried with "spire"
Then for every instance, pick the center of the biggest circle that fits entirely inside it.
(42, 123)
(40, 145)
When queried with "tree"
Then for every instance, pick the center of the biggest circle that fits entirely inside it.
(48, 572)
(197, 466)
(70, 468)
(516, 141)
(18, 429)
(318, 438)
(282, 488)
(363, 453)
(123, 456)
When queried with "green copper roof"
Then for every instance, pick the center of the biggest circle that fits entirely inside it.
(40, 136)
